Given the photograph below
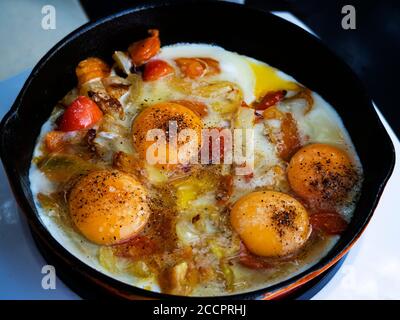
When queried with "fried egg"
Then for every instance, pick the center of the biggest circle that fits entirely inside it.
(271, 223)
(108, 206)
(321, 171)
(159, 117)
(209, 211)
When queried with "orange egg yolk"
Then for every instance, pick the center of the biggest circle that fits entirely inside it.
(270, 223)
(108, 206)
(321, 172)
(161, 116)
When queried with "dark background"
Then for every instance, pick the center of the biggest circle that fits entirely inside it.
(372, 49)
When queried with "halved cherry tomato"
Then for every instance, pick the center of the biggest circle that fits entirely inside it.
(143, 50)
(270, 99)
(197, 107)
(198, 67)
(156, 69)
(91, 68)
(82, 113)
(329, 222)
(212, 66)
(191, 67)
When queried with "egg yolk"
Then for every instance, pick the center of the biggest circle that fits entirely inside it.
(321, 172)
(108, 206)
(161, 116)
(267, 79)
(270, 223)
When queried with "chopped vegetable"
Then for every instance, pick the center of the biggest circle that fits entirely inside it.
(156, 69)
(136, 88)
(228, 275)
(62, 167)
(116, 86)
(287, 139)
(83, 113)
(189, 189)
(192, 67)
(227, 96)
(197, 67)
(127, 163)
(54, 140)
(123, 61)
(220, 253)
(305, 94)
(137, 248)
(290, 137)
(178, 280)
(48, 202)
(107, 259)
(108, 104)
(155, 175)
(91, 68)
(329, 222)
(143, 50)
(270, 99)
(139, 269)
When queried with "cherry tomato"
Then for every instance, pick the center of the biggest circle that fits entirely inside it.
(329, 222)
(192, 67)
(82, 113)
(143, 50)
(198, 67)
(156, 69)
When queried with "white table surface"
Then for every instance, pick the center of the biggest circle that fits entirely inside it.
(370, 271)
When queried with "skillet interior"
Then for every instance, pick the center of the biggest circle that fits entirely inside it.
(236, 28)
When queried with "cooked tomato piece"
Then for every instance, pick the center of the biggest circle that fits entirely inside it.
(270, 99)
(329, 222)
(54, 140)
(212, 66)
(82, 113)
(91, 68)
(290, 137)
(198, 67)
(191, 67)
(156, 69)
(143, 50)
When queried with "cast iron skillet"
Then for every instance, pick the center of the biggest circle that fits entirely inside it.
(237, 28)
